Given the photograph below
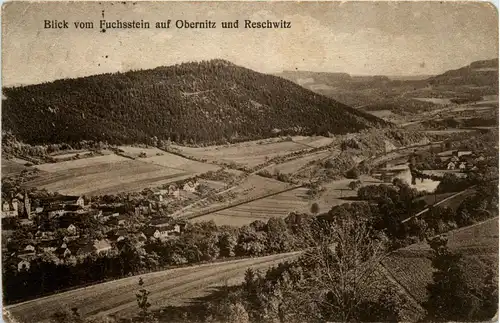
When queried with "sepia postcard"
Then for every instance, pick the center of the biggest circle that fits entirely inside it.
(249, 161)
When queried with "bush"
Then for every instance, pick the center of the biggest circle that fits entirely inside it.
(353, 173)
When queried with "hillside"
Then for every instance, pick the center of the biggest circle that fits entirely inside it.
(206, 102)
(480, 73)
(396, 98)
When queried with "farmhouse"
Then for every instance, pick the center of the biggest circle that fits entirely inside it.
(450, 165)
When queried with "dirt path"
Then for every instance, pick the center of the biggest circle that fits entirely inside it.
(169, 287)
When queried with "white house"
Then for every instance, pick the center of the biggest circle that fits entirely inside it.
(190, 187)
(450, 165)
(462, 166)
(23, 265)
(29, 248)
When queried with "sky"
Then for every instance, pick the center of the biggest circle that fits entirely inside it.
(360, 38)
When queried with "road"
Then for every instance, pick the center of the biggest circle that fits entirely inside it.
(174, 287)
(169, 287)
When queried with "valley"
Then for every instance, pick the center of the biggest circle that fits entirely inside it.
(190, 208)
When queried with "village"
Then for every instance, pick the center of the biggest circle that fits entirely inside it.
(77, 226)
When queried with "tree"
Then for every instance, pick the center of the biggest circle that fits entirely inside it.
(315, 208)
(352, 173)
(354, 185)
(227, 243)
(450, 299)
(278, 237)
(341, 272)
(143, 302)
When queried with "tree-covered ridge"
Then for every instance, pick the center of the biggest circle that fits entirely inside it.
(205, 102)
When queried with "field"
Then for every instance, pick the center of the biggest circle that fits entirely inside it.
(313, 141)
(176, 162)
(111, 174)
(12, 166)
(434, 100)
(447, 131)
(411, 267)
(170, 287)
(292, 166)
(280, 205)
(252, 187)
(275, 206)
(248, 154)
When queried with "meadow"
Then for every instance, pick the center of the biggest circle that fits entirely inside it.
(249, 154)
(111, 174)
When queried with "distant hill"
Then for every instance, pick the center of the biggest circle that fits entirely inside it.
(397, 93)
(206, 102)
(479, 73)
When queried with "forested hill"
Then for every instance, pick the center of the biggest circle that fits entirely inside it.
(206, 102)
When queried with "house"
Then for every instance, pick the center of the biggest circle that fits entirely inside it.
(23, 265)
(54, 211)
(450, 165)
(10, 210)
(61, 200)
(163, 231)
(44, 235)
(48, 246)
(28, 250)
(63, 252)
(76, 208)
(97, 214)
(173, 191)
(105, 216)
(97, 246)
(479, 159)
(463, 153)
(71, 229)
(190, 187)
(120, 235)
(5, 206)
(122, 219)
(102, 246)
(141, 237)
(462, 166)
